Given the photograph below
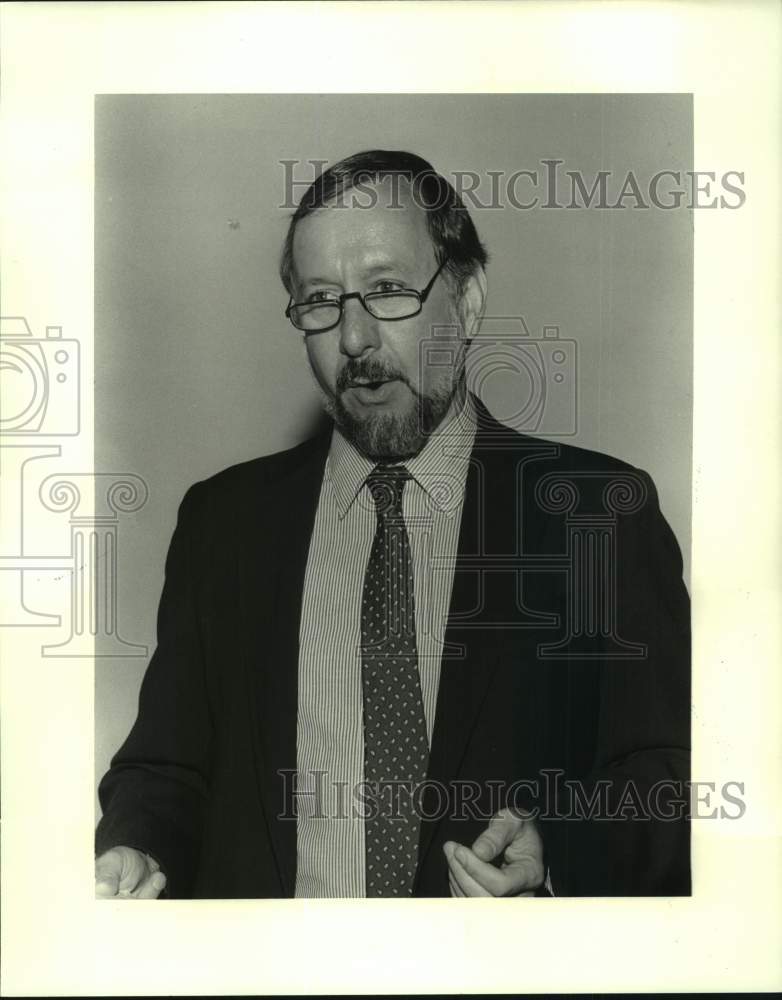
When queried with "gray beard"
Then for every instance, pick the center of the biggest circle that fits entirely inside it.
(392, 437)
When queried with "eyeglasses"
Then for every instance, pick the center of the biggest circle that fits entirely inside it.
(325, 314)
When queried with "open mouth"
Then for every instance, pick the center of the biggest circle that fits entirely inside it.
(370, 384)
(373, 390)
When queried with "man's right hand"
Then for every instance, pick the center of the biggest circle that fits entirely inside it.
(125, 873)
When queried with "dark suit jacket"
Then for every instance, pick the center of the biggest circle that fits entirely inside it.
(546, 677)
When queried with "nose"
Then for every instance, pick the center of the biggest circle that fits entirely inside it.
(358, 330)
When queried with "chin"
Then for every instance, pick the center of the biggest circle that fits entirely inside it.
(394, 435)
(381, 437)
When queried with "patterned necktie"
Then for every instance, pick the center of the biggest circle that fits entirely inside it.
(396, 748)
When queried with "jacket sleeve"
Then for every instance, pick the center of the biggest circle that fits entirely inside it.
(153, 795)
(636, 840)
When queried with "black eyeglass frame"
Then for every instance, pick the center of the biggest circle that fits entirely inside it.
(422, 296)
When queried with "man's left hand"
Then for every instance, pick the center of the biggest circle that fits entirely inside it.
(511, 835)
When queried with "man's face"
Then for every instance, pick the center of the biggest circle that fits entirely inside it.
(385, 386)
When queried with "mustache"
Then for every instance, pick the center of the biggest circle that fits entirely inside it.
(367, 370)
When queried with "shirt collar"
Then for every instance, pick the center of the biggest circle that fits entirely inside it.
(440, 468)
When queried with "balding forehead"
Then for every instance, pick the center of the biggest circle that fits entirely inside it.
(370, 219)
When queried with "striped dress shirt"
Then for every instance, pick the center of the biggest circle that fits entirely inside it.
(330, 739)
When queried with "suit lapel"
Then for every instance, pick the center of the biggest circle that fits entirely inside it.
(480, 599)
(272, 567)
(469, 658)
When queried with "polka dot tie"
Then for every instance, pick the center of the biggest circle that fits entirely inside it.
(396, 748)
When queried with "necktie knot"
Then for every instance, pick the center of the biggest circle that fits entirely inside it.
(386, 484)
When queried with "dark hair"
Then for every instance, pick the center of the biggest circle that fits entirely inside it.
(450, 227)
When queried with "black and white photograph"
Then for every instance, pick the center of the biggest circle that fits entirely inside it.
(437, 643)
(387, 411)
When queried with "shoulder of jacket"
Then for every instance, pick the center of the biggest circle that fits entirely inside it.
(245, 478)
(558, 456)
(555, 456)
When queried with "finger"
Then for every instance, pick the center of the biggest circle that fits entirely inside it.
(473, 877)
(152, 886)
(455, 889)
(448, 848)
(498, 834)
(468, 885)
(119, 872)
(509, 880)
(462, 884)
(525, 854)
(108, 871)
(106, 884)
(134, 870)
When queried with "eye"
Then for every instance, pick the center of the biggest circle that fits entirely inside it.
(388, 285)
(322, 296)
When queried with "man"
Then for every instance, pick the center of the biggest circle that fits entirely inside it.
(420, 654)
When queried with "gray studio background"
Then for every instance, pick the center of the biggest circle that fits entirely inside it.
(196, 367)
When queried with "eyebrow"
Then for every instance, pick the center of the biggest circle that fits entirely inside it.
(370, 272)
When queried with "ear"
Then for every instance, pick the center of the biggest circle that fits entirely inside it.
(473, 303)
